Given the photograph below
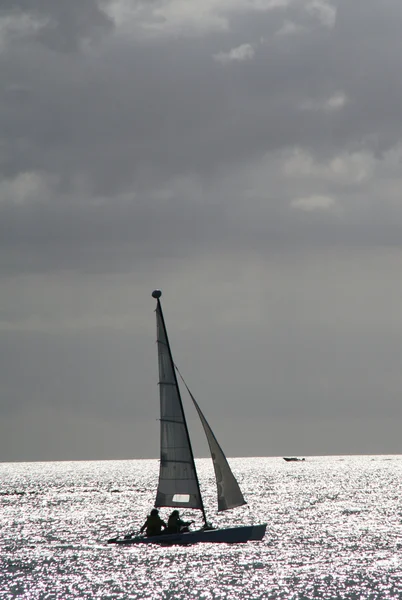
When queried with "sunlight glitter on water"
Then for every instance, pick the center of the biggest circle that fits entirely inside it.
(334, 531)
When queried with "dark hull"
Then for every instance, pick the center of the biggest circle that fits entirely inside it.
(231, 535)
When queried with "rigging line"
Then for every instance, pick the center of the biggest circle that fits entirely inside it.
(185, 384)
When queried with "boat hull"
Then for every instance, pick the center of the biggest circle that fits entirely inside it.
(231, 535)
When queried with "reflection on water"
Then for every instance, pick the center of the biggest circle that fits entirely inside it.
(334, 531)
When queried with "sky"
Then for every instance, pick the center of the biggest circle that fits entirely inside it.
(245, 157)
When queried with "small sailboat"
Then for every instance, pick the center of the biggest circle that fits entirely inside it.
(178, 484)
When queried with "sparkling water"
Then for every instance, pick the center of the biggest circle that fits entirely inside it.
(334, 531)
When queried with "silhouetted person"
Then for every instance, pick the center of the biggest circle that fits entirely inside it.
(176, 525)
(153, 524)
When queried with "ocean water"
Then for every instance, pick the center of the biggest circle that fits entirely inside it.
(334, 531)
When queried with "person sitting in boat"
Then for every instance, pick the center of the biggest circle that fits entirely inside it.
(153, 524)
(176, 525)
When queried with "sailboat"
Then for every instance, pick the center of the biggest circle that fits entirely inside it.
(178, 484)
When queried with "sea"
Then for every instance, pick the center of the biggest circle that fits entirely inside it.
(334, 531)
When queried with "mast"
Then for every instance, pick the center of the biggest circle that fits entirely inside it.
(157, 294)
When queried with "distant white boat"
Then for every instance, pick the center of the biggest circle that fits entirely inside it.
(178, 484)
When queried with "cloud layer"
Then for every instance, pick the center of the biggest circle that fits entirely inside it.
(235, 148)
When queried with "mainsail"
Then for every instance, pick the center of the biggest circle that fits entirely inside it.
(178, 483)
(229, 492)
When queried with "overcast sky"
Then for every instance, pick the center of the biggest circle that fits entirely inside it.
(245, 157)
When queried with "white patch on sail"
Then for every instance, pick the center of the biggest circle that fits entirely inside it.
(181, 498)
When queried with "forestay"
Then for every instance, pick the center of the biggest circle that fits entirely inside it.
(178, 484)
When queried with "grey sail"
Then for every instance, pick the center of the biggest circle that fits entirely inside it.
(178, 483)
(229, 492)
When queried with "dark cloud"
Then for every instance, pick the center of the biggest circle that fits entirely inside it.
(59, 26)
(133, 113)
